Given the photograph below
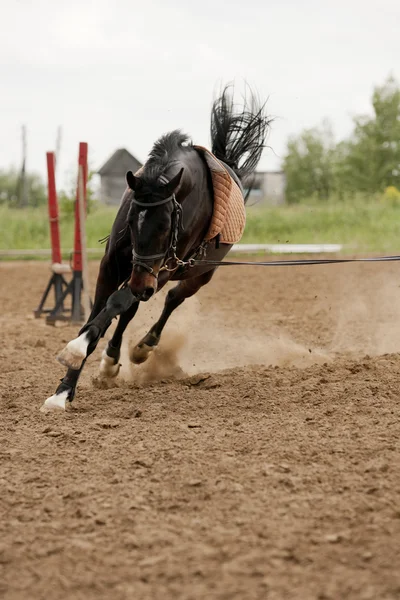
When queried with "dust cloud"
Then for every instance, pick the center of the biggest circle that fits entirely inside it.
(368, 323)
(199, 338)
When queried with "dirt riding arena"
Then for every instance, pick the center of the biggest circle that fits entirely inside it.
(255, 456)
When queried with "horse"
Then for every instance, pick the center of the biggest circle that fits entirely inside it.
(159, 230)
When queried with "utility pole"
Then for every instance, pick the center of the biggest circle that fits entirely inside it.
(58, 144)
(23, 188)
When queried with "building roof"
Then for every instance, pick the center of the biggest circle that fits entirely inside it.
(119, 162)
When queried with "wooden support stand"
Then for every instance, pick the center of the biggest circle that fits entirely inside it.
(57, 282)
(77, 289)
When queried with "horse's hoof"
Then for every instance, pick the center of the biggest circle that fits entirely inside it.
(108, 367)
(74, 352)
(55, 403)
(140, 353)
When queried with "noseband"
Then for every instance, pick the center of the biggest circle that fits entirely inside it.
(170, 254)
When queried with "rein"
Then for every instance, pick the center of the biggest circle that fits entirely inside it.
(288, 263)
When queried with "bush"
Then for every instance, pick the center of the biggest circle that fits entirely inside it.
(66, 201)
(391, 196)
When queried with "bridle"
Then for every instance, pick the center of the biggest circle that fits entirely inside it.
(169, 255)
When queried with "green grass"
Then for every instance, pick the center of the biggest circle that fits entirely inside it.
(360, 227)
(368, 226)
(29, 229)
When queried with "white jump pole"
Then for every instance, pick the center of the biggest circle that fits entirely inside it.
(82, 220)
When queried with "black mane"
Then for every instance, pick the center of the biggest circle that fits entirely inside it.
(161, 155)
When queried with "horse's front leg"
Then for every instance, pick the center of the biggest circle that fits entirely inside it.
(108, 304)
(109, 365)
(175, 297)
(118, 302)
(65, 392)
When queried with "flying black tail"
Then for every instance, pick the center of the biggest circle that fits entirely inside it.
(238, 137)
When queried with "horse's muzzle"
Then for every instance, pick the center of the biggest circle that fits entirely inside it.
(143, 284)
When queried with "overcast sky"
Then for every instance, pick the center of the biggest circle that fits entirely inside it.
(119, 73)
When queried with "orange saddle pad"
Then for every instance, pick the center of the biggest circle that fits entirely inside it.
(229, 216)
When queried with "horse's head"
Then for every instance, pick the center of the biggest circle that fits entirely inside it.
(153, 220)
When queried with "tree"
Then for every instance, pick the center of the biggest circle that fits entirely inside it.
(373, 152)
(308, 164)
(9, 188)
(369, 161)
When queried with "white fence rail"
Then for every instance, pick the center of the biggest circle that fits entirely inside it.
(237, 248)
(288, 248)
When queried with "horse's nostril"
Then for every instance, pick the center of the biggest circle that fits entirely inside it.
(147, 294)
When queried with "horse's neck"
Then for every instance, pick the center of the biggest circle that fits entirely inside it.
(196, 197)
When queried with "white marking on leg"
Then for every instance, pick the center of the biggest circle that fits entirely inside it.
(108, 366)
(55, 402)
(75, 352)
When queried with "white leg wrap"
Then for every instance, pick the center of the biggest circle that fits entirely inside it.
(55, 402)
(75, 352)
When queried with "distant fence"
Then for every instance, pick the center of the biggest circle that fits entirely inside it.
(239, 248)
(288, 248)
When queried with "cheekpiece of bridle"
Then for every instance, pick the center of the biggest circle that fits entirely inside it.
(171, 261)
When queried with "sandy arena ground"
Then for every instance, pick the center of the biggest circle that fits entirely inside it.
(255, 456)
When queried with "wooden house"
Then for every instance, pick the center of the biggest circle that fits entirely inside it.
(112, 175)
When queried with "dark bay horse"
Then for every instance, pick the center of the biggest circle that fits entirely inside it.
(161, 224)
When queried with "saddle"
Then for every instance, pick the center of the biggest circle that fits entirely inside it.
(229, 216)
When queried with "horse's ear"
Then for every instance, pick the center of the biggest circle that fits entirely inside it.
(131, 180)
(173, 185)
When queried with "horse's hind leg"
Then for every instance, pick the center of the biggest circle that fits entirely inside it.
(109, 365)
(175, 297)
